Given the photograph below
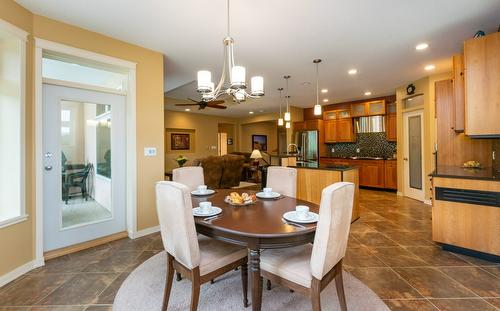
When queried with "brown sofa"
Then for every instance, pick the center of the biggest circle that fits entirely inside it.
(221, 171)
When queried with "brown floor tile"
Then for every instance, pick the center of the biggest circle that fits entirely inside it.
(126, 244)
(477, 261)
(430, 282)
(493, 270)
(410, 305)
(406, 238)
(145, 255)
(385, 283)
(108, 295)
(397, 257)
(353, 242)
(14, 308)
(29, 290)
(99, 308)
(462, 305)
(80, 290)
(479, 281)
(435, 256)
(156, 245)
(494, 302)
(373, 239)
(57, 308)
(361, 257)
(115, 261)
(360, 227)
(383, 225)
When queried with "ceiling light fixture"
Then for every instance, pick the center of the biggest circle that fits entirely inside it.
(317, 107)
(288, 117)
(280, 119)
(421, 46)
(324, 91)
(430, 67)
(187, 109)
(368, 93)
(235, 76)
(250, 112)
(325, 100)
(352, 71)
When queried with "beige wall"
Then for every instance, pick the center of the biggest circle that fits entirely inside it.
(268, 128)
(427, 87)
(230, 130)
(18, 241)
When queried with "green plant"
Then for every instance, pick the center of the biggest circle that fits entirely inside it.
(181, 160)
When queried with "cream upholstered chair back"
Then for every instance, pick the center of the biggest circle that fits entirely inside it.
(332, 231)
(178, 232)
(282, 180)
(191, 176)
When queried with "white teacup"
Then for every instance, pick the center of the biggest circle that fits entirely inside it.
(302, 212)
(202, 188)
(205, 207)
(267, 191)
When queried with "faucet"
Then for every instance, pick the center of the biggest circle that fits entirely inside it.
(294, 149)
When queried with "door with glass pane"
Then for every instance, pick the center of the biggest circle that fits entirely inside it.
(413, 131)
(84, 165)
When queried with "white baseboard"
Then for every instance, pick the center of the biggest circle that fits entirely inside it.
(141, 233)
(19, 271)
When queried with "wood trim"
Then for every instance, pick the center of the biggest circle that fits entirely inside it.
(84, 245)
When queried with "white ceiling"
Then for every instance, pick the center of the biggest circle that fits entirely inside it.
(278, 37)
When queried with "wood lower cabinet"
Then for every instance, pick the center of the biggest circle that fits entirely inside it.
(391, 174)
(371, 173)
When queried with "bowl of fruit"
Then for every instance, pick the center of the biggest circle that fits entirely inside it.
(472, 164)
(236, 199)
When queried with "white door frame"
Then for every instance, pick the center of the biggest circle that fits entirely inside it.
(131, 164)
(407, 191)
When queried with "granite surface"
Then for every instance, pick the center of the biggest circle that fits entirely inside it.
(486, 173)
(331, 167)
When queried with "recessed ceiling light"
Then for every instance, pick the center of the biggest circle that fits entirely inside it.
(324, 91)
(368, 93)
(306, 83)
(261, 110)
(325, 100)
(250, 112)
(187, 109)
(421, 46)
(352, 71)
(430, 67)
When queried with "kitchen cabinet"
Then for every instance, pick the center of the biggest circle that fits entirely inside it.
(482, 80)
(299, 126)
(340, 130)
(371, 108)
(330, 131)
(458, 107)
(371, 173)
(358, 110)
(314, 125)
(391, 127)
(391, 174)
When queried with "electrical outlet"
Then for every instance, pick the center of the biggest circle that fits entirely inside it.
(358, 150)
(333, 149)
(150, 151)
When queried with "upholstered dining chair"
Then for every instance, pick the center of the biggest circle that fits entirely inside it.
(191, 176)
(309, 268)
(282, 180)
(200, 260)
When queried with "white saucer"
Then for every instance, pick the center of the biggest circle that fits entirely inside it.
(292, 216)
(213, 211)
(272, 195)
(199, 193)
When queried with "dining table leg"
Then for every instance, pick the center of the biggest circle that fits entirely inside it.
(256, 279)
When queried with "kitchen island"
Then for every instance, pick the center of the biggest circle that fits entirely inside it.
(312, 177)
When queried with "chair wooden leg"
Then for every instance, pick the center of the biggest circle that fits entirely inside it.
(178, 276)
(244, 282)
(339, 284)
(195, 288)
(268, 284)
(168, 282)
(315, 294)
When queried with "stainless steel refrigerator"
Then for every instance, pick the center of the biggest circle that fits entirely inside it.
(308, 145)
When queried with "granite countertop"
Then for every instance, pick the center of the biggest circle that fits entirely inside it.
(316, 165)
(283, 155)
(486, 173)
(360, 158)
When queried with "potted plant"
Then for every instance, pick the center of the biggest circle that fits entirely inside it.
(181, 160)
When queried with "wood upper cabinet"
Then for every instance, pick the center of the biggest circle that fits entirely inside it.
(345, 131)
(314, 125)
(391, 127)
(358, 110)
(458, 108)
(330, 131)
(299, 126)
(372, 108)
(482, 85)
(390, 174)
(330, 115)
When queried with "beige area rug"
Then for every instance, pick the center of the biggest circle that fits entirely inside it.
(143, 290)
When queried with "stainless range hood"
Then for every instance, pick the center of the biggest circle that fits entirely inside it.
(373, 124)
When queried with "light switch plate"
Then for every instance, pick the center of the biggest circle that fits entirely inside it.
(150, 152)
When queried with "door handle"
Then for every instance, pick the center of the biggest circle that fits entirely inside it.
(406, 159)
(48, 167)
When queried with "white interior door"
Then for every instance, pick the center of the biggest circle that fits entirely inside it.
(413, 131)
(84, 147)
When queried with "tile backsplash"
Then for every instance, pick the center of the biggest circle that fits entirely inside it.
(496, 149)
(369, 145)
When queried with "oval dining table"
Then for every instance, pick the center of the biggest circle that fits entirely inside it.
(257, 226)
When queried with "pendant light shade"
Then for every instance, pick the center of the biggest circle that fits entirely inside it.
(237, 77)
(281, 122)
(287, 125)
(317, 107)
(280, 119)
(257, 86)
(317, 110)
(204, 81)
(288, 116)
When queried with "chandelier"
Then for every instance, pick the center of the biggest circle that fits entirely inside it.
(233, 74)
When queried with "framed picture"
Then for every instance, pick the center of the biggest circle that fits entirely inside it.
(179, 141)
(259, 142)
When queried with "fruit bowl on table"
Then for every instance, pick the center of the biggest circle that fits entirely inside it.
(236, 199)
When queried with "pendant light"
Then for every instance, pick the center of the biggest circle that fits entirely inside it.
(288, 117)
(317, 107)
(280, 119)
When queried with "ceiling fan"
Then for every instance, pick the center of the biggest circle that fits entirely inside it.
(203, 104)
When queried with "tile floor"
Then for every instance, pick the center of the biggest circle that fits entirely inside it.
(390, 250)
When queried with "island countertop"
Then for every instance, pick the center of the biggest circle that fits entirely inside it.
(327, 167)
(486, 173)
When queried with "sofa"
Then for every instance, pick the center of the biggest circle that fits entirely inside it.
(221, 172)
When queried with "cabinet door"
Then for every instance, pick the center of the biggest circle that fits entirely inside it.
(358, 109)
(482, 80)
(299, 126)
(329, 115)
(330, 131)
(391, 175)
(314, 125)
(376, 107)
(343, 114)
(371, 173)
(391, 108)
(344, 130)
(458, 109)
(391, 127)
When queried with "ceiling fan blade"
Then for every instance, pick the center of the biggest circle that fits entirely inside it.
(193, 100)
(216, 102)
(217, 106)
(183, 105)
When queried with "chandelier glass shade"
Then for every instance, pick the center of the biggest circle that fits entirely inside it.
(233, 79)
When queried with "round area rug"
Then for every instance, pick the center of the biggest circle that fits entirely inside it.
(143, 290)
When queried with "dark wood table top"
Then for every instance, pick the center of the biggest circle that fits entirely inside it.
(262, 219)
